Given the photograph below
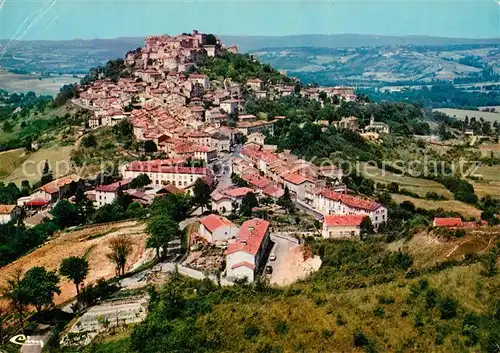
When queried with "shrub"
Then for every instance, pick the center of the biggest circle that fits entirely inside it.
(382, 299)
(379, 312)
(280, 327)
(251, 331)
(448, 308)
(359, 338)
(431, 298)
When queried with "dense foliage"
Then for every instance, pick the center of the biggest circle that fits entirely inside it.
(240, 68)
(444, 95)
(16, 241)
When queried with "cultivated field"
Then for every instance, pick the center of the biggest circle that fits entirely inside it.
(490, 183)
(25, 83)
(462, 113)
(416, 185)
(93, 243)
(23, 166)
(464, 209)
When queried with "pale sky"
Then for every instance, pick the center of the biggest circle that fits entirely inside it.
(86, 19)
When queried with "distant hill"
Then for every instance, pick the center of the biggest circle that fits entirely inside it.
(249, 43)
(350, 58)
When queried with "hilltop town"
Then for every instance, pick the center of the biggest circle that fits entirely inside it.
(214, 203)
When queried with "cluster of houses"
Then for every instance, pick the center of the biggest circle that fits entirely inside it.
(246, 246)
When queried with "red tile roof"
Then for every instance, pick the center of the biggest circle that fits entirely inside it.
(238, 192)
(273, 191)
(212, 222)
(7, 209)
(113, 187)
(296, 179)
(351, 201)
(146, 167)
(249, 237)
(343, 220)
(245, 264)
(172, 189)
(257, 180)
(448, 222)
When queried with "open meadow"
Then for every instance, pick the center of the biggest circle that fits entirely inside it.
(17, 165)
(462, 113)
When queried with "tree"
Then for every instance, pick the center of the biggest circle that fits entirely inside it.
(17, 295)
(448, 308)
(40, 285)
(162, 230)
(201, 193)
(76, 269)
(489, 261)
(47, 176)
(210, 39)
(120, 247)
(89, 141)
(140, 181)
(65, 214)
(248, 202)
(176, 206)
(366, 227)
(84, 207)
(150, 146)
(286, 202)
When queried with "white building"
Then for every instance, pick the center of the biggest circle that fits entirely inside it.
(298, 184)
(330, 202)
(161, 173)
(106, 194)
(8, 213)
(217, 229)
(245, 257)
(224, 201)
(342, 226)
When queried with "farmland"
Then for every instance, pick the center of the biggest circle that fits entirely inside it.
(464, 209)
(40, 85)
(462, 113)
(91, 242)
(416, 185)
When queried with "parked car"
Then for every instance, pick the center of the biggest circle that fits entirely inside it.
(272, 257)
(269, 270)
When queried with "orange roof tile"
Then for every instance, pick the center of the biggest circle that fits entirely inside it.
(343, 220)
(212, 222)
(249, 237)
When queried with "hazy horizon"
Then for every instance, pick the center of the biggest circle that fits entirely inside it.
(91, 19)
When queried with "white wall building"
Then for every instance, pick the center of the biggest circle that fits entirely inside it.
(217, 229)
(245, 257)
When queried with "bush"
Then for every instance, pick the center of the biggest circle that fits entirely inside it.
(359, 338)
(251, 331)
(448, 308)
(379, 312)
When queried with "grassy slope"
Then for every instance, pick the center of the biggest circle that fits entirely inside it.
(464, 209)
(416, 185)
(490, 183)
(308, 318)
(30, 166)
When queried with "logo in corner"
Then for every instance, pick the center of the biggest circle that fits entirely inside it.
(23, 340)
